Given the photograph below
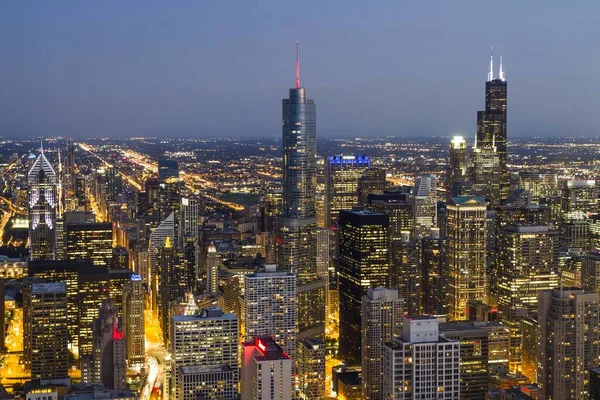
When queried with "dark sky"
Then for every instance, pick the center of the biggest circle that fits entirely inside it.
(221, 68)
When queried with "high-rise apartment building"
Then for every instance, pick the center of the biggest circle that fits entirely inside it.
(568, 345)
(342, 176)
(266, 372)
(580, 196)
(269, 307)
(538, 184)
(46, 306)
(467, 242)
(382, 312)
(205, 339)
(295, 232)
(364, 263)
(109, 349)
(207, 382)
(421, 364)
(527, 264)
(114, 184)
(310, 368)
(43, 209)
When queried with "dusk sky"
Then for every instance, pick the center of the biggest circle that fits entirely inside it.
(375, 68)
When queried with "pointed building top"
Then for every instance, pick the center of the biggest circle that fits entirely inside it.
(42, 146)
(491, 72)
(297, 65)
(501, 72)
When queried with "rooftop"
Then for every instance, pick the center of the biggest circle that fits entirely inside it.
(49, 287)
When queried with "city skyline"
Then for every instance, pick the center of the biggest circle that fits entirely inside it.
(103, 72)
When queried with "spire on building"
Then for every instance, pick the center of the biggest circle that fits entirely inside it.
(501, 72)
(297, 65)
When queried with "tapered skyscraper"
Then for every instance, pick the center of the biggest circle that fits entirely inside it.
(491, 175)
(43, 208)
(296, 229)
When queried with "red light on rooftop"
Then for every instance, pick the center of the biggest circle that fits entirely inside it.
(261, 345)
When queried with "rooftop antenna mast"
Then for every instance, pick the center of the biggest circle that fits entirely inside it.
(297, 65)
(491, 73)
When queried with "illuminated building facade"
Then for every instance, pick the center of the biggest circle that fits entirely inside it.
(46, 306)
(458, 163)
(342, 175)
(266, 372)
(527, 264)
(382, 312)
(538, 184)
(109, 349)
(400, 210)
(134, 297)
(207, 382)
(43, 209)
(269, 307)
(406, 272)
(490, 149)
(90, 241)
(93, 287)
(568, 347)
(467, 242)
(421, 364)
(434, 273)
(364, 263)
(310, 367)
(295, 231)
(172, 284)
(373, 181)
(213, 262)
(208, 338)
(424, 206)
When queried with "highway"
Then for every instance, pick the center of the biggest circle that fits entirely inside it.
(156, 354)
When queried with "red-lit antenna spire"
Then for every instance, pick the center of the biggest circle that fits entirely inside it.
(297, 66)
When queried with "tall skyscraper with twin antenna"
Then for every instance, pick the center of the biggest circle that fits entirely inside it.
(296, 228)
(490, 172)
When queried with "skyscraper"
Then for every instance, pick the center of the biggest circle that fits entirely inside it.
(457, 166)
(421, 364)
(296, 229)
(364, 263)
(424, 206)
(109, 349)
(133, 312)
(434, 274)
(205, 339)
(43, 209)
(90, 241)
(188, 218)
(266, 372)
(467, 241)
(46, 307)
(172, 284)
(527, 264)
(269, 307)
(382, 311)
(373, 181)
(491, 173)
(310, 361)
(568, 345)
(213, 261)
(342, 176)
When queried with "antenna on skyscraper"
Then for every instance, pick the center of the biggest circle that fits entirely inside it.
(297, 65)
(501, 72)
(491, 73)
(42, 146)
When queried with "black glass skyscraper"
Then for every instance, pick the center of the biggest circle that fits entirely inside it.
(296, 229)
(491, 174)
